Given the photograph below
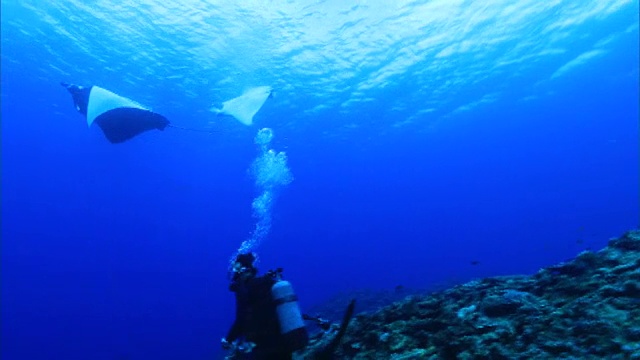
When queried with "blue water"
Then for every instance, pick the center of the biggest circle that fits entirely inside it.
(421, 136)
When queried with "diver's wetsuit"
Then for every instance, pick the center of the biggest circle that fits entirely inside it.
(257, 320)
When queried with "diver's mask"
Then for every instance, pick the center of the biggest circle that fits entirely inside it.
(239, 269)
(243, 266)
(242, 273)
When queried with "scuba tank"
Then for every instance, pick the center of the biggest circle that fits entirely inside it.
(292, 329)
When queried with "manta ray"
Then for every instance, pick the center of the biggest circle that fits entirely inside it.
(119, 118)
(122, 119)
(244, 107)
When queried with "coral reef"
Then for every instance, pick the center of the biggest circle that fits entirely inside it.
(369, 301)
(587, 308)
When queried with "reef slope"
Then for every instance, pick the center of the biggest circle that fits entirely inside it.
(587, 308)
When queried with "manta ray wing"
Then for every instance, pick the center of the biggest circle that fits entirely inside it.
(245, 106)
(120, 118)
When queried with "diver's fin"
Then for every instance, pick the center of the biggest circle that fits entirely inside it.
(328, 352)
(245, 106)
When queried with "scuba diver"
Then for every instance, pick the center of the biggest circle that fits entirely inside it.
(267, 313)
(268, 323)
(119, 118)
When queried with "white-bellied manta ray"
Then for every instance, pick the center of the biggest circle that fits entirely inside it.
(119, 118)
(244, 107)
